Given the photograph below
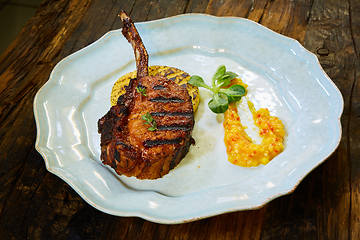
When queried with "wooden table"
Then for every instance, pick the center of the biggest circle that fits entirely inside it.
(36, 204)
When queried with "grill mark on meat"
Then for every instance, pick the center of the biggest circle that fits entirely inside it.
(123, 144)
(158, 87)
(163, 114)
(117, 156)
(174, 127)
(148, 155)
(153, 143)
(166, 100)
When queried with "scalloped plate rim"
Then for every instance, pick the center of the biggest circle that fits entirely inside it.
(170, 220)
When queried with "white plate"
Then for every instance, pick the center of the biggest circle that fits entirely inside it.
(281, 74)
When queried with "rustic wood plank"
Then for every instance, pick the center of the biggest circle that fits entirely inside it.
(42, 206)
(37, 203)
(329, 28)
(354, 149)
(140, 10)
(24, 67)
(291, 17)
(283, 16)
(319, 208)
(354, 130)
(197, 6)
(231, 7)
(162, 9)
(100, 18)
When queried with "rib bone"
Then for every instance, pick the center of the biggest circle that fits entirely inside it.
(133, 37)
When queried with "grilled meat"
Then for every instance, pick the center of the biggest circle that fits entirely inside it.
(127, 144)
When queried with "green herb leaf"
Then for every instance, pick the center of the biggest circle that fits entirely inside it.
(147, 117)
(231, 74)
(221, 96)
(219, 72)
(219, 103)
(149, 120)
(234, 93)
(152, 128)
(225, 80)
(198, 82)
(141, 90)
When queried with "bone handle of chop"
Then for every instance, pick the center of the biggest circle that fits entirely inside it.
(131, 34)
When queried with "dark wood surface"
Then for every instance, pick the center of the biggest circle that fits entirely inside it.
(35, 204)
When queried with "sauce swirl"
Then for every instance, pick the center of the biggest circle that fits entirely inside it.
(241, 149)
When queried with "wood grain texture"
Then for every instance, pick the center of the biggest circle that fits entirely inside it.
(24, 67)
(35, 204)
(320, 206)
(353, 124)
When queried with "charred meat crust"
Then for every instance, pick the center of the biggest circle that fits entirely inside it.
(159, 151)
(127, 145)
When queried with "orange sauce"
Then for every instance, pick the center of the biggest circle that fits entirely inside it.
(241, 149)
